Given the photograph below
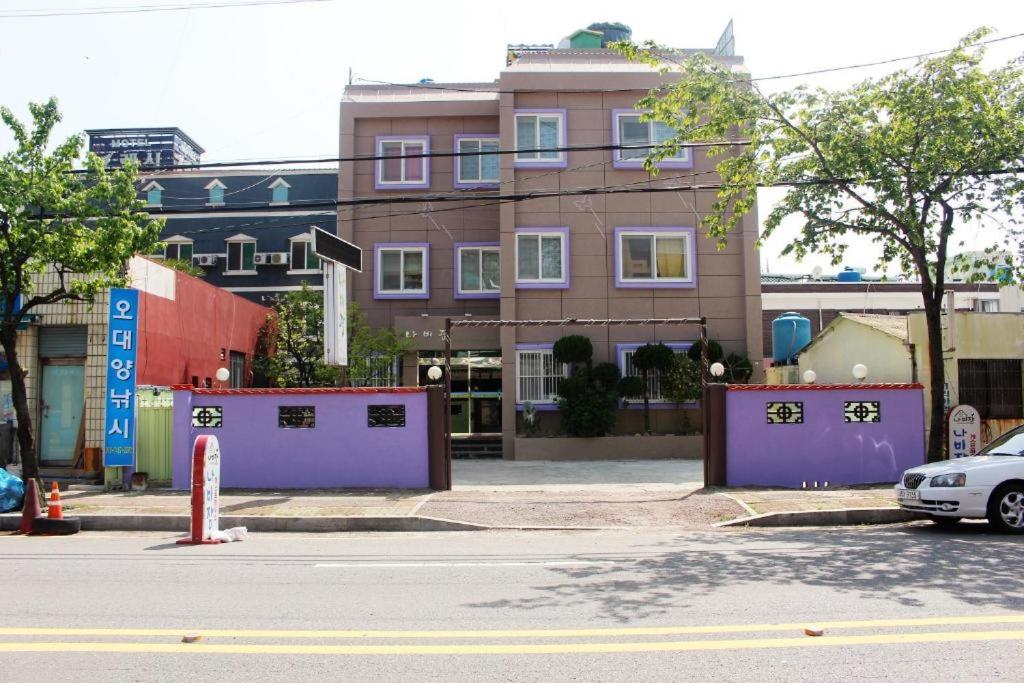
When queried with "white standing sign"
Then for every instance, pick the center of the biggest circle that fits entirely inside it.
(335, 314)
(337, 257)
(964, 431)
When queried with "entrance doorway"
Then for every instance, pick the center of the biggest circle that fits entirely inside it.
(476, 389)
(60, 411)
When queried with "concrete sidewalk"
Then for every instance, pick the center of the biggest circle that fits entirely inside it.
(487, 494)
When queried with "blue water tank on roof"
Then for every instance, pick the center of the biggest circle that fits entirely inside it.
(848, 275)
(790, 333)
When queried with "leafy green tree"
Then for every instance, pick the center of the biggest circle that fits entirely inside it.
(81, 226)
(290, 346)
(649, 359)
(371, 352)
(904, 160)
(293, 340)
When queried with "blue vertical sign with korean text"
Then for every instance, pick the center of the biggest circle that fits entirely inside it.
(122, 343)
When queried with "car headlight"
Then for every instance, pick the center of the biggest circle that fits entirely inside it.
(957, 479)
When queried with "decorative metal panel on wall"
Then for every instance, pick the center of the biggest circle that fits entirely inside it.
(385, 416)
(862, 411)
(785, 412)
(207, 417)
(296, 417)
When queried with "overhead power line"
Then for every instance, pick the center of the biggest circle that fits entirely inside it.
(435, 155)
(35, 13)
(478, 202)
(525, 196)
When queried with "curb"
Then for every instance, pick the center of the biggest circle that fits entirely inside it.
(838, 517)
(10, 522)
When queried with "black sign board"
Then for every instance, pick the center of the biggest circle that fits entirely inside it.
(333, 248)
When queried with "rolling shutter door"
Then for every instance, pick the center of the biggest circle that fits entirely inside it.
(62, 341)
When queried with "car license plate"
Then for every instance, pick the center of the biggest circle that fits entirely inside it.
(907, 494)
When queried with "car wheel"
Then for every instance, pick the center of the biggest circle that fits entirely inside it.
(1006, 509)
(946, 522)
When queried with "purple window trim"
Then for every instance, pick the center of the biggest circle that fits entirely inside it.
(563, 140)
(458, 293)
(552, 284)
(377, 165)
(540, 406)
(378, 294)
(638, 164)
(638, 404)
(473, 184)
(620, 283)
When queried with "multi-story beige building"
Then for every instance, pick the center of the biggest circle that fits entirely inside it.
(636, 255)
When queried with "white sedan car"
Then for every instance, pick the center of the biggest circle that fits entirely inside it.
(990, 484)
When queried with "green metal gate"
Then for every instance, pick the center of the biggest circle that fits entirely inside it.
(153, 444)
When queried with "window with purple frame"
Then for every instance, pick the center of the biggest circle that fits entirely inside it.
(403, 164)
(401, 271)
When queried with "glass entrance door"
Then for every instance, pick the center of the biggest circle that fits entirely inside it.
(476, 389)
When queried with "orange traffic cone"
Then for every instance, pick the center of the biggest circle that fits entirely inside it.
(54, 510)
(30, 508)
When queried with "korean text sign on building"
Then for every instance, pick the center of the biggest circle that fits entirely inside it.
(119, 401)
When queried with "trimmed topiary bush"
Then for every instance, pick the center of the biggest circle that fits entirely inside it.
(587, 407)
(607, 375)
(647, 359)
(738, 368)
(715, 351)
(631, 386)
(573, 349)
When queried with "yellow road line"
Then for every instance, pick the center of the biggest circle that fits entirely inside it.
(515, 633)
(521, 648)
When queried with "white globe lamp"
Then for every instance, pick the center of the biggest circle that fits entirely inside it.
(434, 373)
(717, 370)
(810, 376)
(223, 375)
(860, 372)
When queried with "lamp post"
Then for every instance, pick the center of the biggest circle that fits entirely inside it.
(717, 370)
(860, 372)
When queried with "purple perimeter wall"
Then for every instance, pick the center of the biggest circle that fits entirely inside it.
(341, 451)
(824, 447)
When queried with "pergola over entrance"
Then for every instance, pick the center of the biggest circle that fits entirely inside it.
(450, 323)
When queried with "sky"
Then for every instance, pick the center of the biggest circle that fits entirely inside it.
(257, 82)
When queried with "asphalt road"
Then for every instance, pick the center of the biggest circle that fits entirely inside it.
(905, 602)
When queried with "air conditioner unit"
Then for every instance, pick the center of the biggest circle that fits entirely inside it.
(279, 258)
(207, 259)
(260, 259)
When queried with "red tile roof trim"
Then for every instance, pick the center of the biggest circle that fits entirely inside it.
(819, 387)
(271, 391)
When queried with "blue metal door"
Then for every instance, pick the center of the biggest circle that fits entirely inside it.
(60, 412)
